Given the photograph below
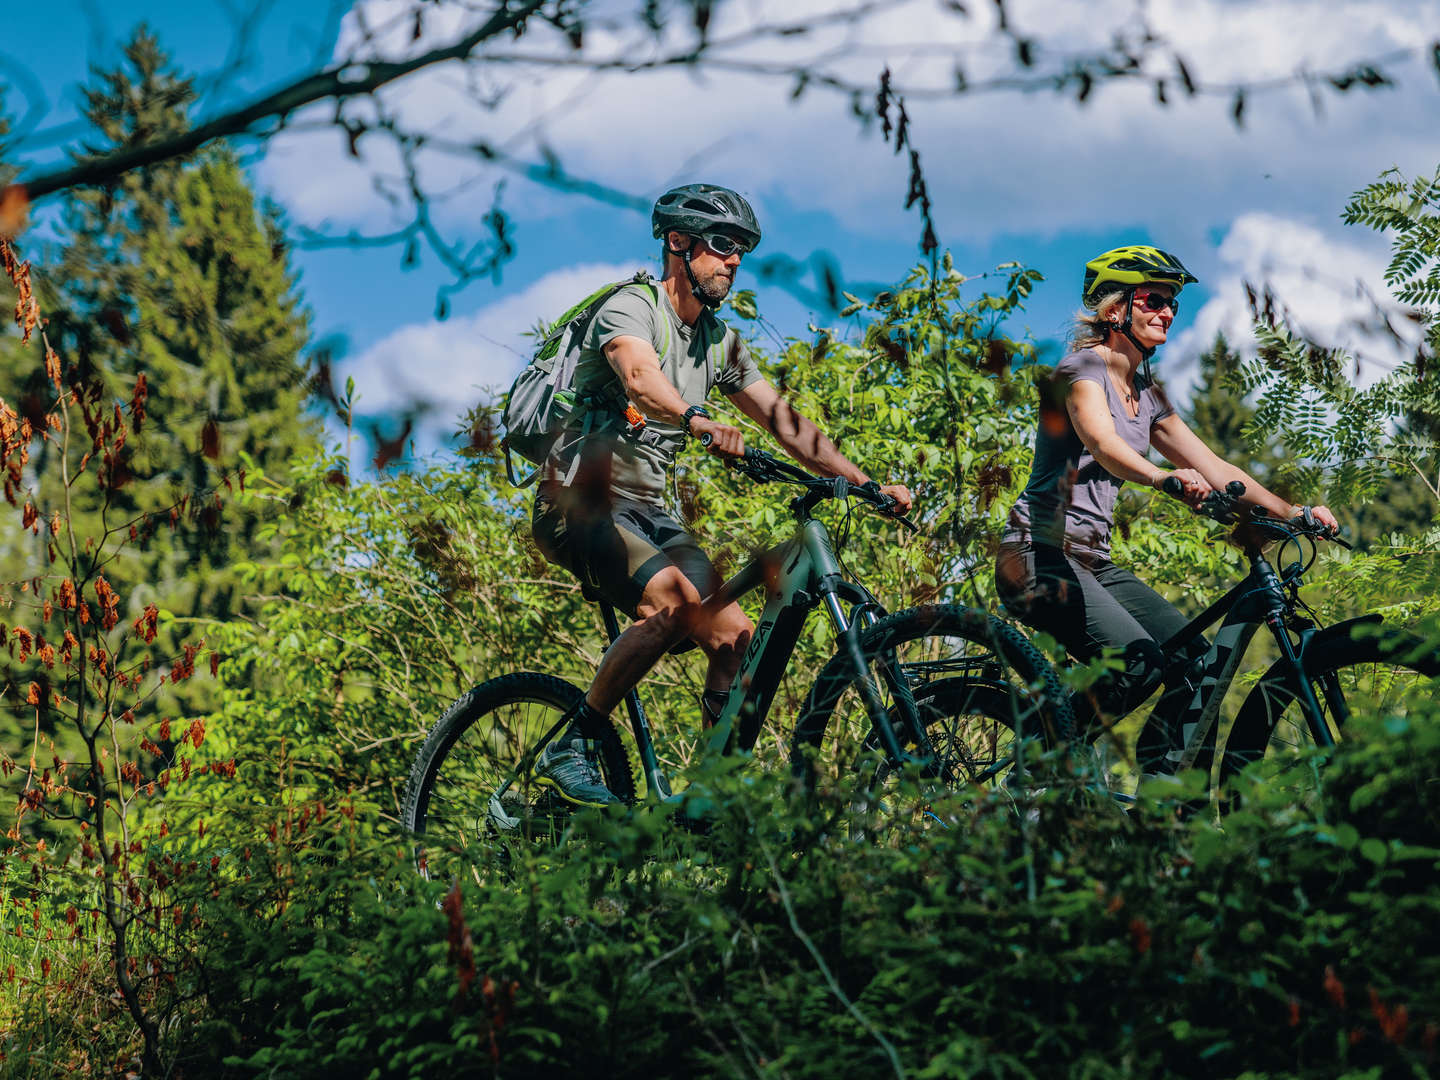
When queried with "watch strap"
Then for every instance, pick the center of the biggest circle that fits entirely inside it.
(692, 412)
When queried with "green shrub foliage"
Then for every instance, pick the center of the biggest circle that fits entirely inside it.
(1057, 936)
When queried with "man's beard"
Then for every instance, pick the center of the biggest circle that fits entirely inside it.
(714, 288)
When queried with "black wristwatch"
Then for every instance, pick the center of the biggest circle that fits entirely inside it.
(691, 412)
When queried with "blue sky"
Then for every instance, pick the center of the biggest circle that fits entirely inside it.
(1033, 177)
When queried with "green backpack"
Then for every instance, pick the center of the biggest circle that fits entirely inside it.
(542, 405)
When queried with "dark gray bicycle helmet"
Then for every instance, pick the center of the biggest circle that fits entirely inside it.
(700, 208)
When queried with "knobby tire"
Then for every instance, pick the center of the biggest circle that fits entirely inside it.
(475, 746)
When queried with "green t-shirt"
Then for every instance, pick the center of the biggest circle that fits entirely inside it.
(696, 359)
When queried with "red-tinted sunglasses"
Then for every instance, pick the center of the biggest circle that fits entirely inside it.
(1157, 301)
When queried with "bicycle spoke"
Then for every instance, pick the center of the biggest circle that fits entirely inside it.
(1351, 680)
(471, 802)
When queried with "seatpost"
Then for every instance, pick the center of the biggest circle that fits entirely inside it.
(612, 624)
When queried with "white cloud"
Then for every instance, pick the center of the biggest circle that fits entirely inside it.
(442, 368)
(996, 162)
(1328, 284)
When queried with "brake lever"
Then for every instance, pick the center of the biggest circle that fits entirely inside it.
(885, 504)
(904, 521)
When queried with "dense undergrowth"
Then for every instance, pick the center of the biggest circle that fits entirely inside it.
(1057, 936)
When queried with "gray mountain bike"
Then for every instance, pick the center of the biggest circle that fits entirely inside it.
(888, 693)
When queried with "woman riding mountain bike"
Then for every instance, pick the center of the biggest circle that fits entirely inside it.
(1104, 412)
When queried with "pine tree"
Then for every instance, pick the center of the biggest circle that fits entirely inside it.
(175, 275)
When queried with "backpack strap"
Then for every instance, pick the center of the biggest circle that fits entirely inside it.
(524, 481)
(609, 402)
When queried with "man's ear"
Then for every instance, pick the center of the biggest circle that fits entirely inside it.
(676, 242)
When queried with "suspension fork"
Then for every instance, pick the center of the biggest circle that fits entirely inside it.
(848, 628)
(1275, 612)
(1334, 697)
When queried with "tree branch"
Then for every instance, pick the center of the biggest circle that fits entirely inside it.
(338, 82)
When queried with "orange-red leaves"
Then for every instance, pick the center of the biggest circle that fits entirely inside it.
(14, 214)
(184, 668)
(1140, 935)
(210, 439)
(1334, 988)
(109, 603)
(1394, 1023)
(146, 625)
(13, 205)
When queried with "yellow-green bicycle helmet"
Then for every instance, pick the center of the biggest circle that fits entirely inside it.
(1127, 267)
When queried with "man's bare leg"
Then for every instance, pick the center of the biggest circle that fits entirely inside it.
(669, 612)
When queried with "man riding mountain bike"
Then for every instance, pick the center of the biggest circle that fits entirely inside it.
(601, 513)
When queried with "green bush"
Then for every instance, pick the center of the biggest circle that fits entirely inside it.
(1056, 936)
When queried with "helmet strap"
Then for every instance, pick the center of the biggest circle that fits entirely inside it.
(705, 301)
(1125, 329)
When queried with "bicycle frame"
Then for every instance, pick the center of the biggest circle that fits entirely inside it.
(1259, 598)
(798, 575)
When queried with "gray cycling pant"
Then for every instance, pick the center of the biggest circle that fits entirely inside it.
(1089, 604)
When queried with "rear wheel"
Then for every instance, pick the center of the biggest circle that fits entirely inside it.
(470, 800)
(1380, 673)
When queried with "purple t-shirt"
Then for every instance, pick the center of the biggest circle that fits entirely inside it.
(1070, 499)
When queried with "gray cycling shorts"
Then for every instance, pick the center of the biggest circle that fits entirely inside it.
(616, 549)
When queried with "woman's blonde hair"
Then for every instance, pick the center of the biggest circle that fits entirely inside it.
(1093, 327)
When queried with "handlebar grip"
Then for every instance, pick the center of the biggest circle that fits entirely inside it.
(706, 439)
(1171, 486)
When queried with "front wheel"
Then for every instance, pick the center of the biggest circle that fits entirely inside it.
(969, 682)
(470, 799)
(1378, 672)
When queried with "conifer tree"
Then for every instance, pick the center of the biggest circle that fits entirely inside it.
(174, 273)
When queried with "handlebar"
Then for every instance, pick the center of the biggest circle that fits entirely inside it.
(1226, 507)
(766, 468)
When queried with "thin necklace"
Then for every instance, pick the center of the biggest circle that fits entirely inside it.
(1130, 399)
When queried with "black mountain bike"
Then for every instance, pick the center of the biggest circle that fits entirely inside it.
(471, 795)
(1322, 677)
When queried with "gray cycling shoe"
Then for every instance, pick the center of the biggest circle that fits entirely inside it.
(573, 775)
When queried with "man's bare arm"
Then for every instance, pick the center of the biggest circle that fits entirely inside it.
(802, 439)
